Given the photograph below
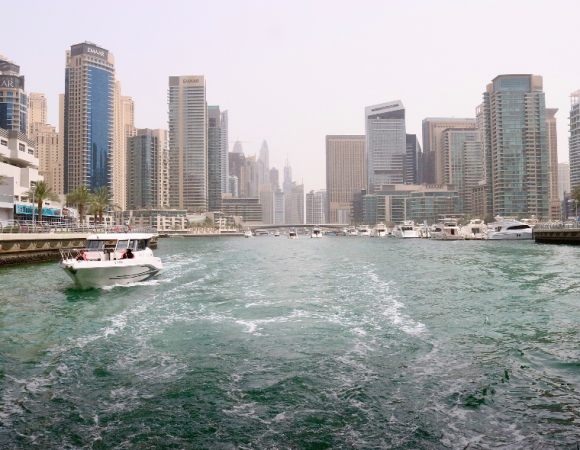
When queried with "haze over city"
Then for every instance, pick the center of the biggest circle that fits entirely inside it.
(292, 73)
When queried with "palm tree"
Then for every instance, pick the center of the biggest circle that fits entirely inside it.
(81, 196)
(93, 210)
(101, 199)
(41, 193)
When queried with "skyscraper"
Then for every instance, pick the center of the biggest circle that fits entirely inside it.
(37, 110)
(235, 163)
(288, 183)
(345, 171)
(573, 139)
(147, 169)
(224, 150)
(275, 178)
(214, 156)
(413, 161)
(279, 207)
(88, 116)
(316, 207)
(385, 143)
(188, 142)
(13, 99)
(563, 179)
(516, 143)
(264, 163)
(124, 128)
(552, 151)
(433, 127)
(267, 202)
(295, 205)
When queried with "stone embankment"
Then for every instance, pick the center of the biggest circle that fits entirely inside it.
(557, 235)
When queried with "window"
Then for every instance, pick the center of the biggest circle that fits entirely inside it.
(21, 147)
(4, 143)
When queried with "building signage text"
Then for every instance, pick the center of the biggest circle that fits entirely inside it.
(95, 51)
(9, 81)
(435, 186)
(25, 209)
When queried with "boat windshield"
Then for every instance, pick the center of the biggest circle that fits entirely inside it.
(519, 227)
(95, 245)
(122, 245)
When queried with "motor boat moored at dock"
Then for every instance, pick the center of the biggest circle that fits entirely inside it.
(447, 230)
(292, 233)
(509, 229)
(364, 230)
(380, 230)
(475, 229)
(406, 230)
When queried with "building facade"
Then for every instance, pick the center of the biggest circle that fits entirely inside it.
(124, 128)
(316, 207)
(386, 141)
(13, 98)
(224, 128)
(279, 207)
(267, 202)
(48, 151)
(37, 110)
(162, 220)
(88, 117)
(563, 180)
(574, 139)
(295, 205)
(214, 159)
(147, 170)
(264, 163)
(413, 160)
(249, 209)
(345, 171)
(188, 163)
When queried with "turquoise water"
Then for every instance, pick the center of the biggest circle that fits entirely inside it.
(339, 342)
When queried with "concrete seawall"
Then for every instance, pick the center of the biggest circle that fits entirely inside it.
(32, 248)
(557, 236)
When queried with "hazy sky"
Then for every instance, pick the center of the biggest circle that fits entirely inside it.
(292, 72)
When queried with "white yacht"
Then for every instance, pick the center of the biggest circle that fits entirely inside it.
(292, 234)
(248, 234)
(475, 229)
(380, 230)
(448, 230)
(109, 259)
(352, 231)
(316, 232)
(345, 231)
(364, 230)
(406, 230)
(509, 229)
(277, 233)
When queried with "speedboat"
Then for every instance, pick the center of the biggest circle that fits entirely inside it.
(248, 234)
(380, 230)
(509, 229)
(364, 230)
(345, 231)
(292, 234)
(448, 230)
(475, 229)
(277, 233)
(352, 231)
(406, 230)
(316, 232)
(109, 259)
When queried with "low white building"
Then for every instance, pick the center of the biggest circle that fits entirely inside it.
(162, 219)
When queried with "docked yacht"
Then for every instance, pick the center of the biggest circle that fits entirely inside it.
(448, 230)
(316, 232)
(406, 230)
(352, 231)
(277, 233)
(292, 234)
(475, 229)
(509, 229)
(109, 259)
(380, 230)
(248, 234)
(364, 230)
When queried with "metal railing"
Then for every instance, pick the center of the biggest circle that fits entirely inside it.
(69, 253)
(28, 227)
(557, 225)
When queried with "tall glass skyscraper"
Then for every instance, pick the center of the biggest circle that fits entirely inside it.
(188, 142)
(516, 146)
(214, 156)
(225, 147)
(386, 142)
(13, 99)
(88, 116)
(574, 139)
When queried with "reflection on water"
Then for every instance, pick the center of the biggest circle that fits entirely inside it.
(276, 343)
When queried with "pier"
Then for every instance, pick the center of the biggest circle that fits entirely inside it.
(557, 234)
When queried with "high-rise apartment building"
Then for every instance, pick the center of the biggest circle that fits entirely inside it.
(552, 151)
(267, 202)
(288, 184)
(433, 127)
(563, 179)
(124, 128)
(573, 139)
(264, 163)
(233, 185)
(188, 142)
(48, 152)
(463, 162)
(316, 207)
(224, 128)
(236, 162)
(275, 178)
(147, 169)
(249, 183)
(295, 205)
(279, 207)
(516, 143)
(88, 117)
(37, 110)
(413, 160)
(13, 98)
(386, 143)
(214, 158)
(346, 170)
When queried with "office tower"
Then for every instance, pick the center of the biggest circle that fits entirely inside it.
(275, 178)
(279, 207)
(563, 179)
(433, 127)
(267, 202)
(37, 110)
(345, 171)
(235, 163)
(249, 209)
(233, 186)
(552, 151)
(50, 164)
(214, 159)
(13, 99)
(463, 163)
(573, 139)
(88, 116)
(187, 142)
(224, 150)
(249, 183)
(124, 128)
(295, 205)
(238, 147)
(264, 163)
(516, 143)
(316, 207)
(413, 161)
(385, 143)
(147, 169)
(288, 183)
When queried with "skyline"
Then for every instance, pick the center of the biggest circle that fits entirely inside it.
(278, 69)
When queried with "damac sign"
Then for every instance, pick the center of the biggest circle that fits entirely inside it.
(191, 80)
(100, 53)
(8, 81)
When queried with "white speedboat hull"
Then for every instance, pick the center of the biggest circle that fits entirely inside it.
(511, 235)
(88, 274)
(406, 234)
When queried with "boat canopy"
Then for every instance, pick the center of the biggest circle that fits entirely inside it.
(119, 236)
